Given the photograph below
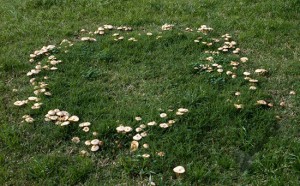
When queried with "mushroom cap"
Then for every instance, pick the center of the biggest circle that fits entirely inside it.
(146, 155)
(137, 137)
(85, 124)
(146, 146)
(151, 123)
(144, 134)
(179, 113)
(143, 126)
(253, 80)
(183, 110)
(139, 129)
(127, 129)
(87, 142)
(134, 146)
(247, 73)
(86, 129)
(138, 118)
(261, 102)
(95, 142)
(163, 115)
(238, 106)
(76, 139)
(120, 128)
(74, 118)
(244, 59)
(65, 123)
(94, 148)
(179, 169)
(20, 103)
(163, 125)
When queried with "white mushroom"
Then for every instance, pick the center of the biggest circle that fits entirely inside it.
(179, 170)
(95, 142)
(74, 118)
(94, 148)
(137, 137)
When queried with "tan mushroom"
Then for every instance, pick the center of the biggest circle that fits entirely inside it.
(134, 146)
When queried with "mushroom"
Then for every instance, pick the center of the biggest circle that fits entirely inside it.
(163, 125)
(84, 124)
(143, 126)
(247, 73)
(65, 123)
(95, 142)
(144, 134)
(146, 146)
(163, 115)
(74, 118)
(152, 123)
(146, 155)
(244, 59)
(138, 118)
(220, 70)
(134, 146)
(161, 154)
(238, 106)
(261, 102)
(252, 88)
(86, 129)
(75, 139)
(261, 71)
(292, 92)
(137, 137)
(184, 110)
(20, 103)
(179, 170)
(87, 142)
(127, 129)
(94, 148)
(139, 129)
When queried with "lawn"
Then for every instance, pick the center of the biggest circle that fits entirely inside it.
(163, 76)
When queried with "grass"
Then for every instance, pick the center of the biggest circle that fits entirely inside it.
(109, 83)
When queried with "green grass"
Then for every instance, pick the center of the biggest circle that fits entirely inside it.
(109, 83)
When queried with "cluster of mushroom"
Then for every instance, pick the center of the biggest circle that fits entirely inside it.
(27, 118)
(205, 29)
(167, 27)
(44, 50)
(61, 118)
(95, 144)
(142, 133)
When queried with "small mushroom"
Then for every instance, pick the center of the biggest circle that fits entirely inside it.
(261, 102)
(84, 124)
(75, 139)
(179, 170)
(163, 115)
(163, 125)
(134, 146)
(137, 137)
(238, 106)
(146, 155)
(95, 142)
(94, 148)
(146, 146)
(152, 123)
(86, 129)
(138, 118)
(73, 118)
